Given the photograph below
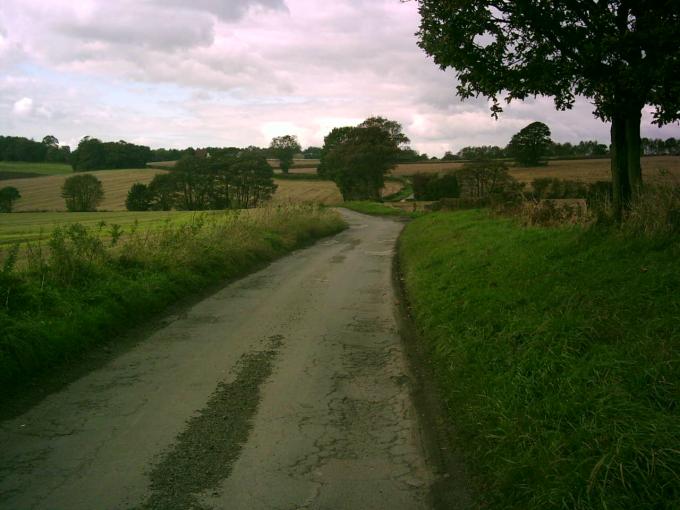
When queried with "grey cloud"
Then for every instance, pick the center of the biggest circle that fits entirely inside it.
(141, 26)
(226, 10)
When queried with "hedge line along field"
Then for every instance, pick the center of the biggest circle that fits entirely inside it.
(557, 351)
(586, 170)
(85, 289)
(44, 193)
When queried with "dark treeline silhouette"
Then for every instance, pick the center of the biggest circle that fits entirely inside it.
(659, 147)
(93, 154)
(18, 148)
(583, 149)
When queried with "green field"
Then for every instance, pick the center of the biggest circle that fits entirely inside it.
(35, 168)
(20, 227)
(557, 351)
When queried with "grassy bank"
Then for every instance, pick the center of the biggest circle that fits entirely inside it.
(373, 208)
(557, 351)
(79, 289)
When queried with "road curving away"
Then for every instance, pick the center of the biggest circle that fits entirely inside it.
(285, 390)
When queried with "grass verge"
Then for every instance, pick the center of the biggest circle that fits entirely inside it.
(373, 208)
(557, 353)
(80, 289)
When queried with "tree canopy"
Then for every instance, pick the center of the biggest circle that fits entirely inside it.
(530, 147)
(82, 193)
(93, 154)
(8, 195)
(18, 148)
(622, 55)
(284, 148)
(239, 178)
(358, 159)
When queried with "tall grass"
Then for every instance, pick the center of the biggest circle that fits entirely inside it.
(373, 208)
(81, 287)
(558, 353)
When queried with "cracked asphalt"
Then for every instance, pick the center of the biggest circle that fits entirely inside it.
(288, 389)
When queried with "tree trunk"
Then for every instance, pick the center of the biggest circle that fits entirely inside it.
(625, 159)
(619, 166)
(633, 145)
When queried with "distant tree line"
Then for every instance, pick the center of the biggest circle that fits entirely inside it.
(18, 148)
(93, 154)
(583, 149)
(659, 147)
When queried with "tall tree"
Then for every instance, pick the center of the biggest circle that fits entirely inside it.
(359, 161)
(251, 180)
(284, 148)
(50, 141)
(391, 127)
(621, 54)
(162, 192)
(531, 145)
(332, 139)
(194, 182)
(82, 193)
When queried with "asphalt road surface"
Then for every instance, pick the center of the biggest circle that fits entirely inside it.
(286, 390)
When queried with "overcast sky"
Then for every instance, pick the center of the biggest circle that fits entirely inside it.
(177, 73)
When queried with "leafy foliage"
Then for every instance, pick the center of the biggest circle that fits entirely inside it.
(483, 178)
(8, 195)
(622, 55)
(330, 141)
(359, 160)
(391, 127)
(435, 187)
(531, 145)
(312, 153)
(232, 179)
(93, 154)
(82, 193)
(284, 149)
(138, 198)
(18, 148)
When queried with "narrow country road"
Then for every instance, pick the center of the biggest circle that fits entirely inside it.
(285, 390)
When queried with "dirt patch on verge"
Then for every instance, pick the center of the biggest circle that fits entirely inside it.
(205, 451)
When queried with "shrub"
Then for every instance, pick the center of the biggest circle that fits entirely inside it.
(8, 195)
(435, 187)
(483, 178)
